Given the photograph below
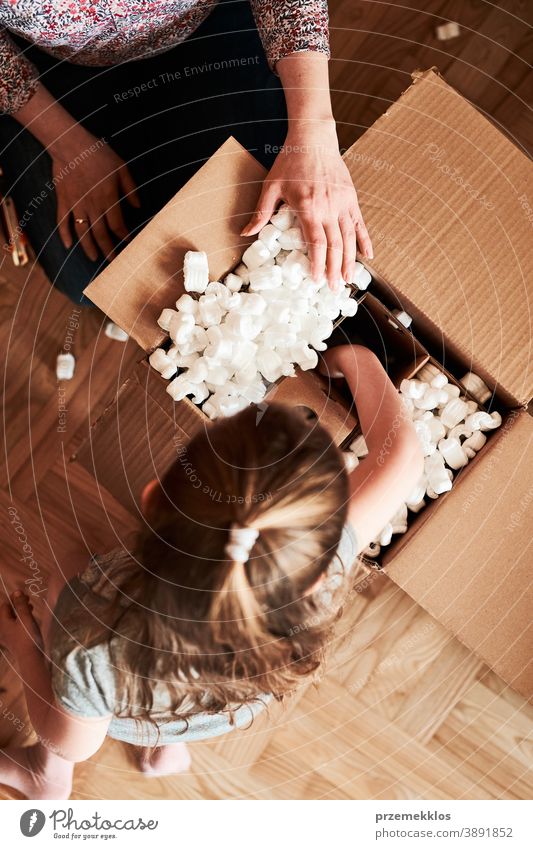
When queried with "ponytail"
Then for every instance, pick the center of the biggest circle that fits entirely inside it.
(235, 609)
(235, 606)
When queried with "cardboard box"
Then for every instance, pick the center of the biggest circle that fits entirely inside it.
(453, 247)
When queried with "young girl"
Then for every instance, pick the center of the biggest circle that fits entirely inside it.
(229, 596)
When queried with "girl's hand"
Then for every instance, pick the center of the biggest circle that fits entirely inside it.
(310, 176)
(90, 192)
(19, 630)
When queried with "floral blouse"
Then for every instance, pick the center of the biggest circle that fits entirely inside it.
(105, 32)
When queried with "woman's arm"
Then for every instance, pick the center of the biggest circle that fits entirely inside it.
(384, 478)
(70, 737)
(310, 175)
(88, 176)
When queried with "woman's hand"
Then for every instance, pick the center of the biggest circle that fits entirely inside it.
(90, 191)
(88, 176)
(310, 176)
(19, 631)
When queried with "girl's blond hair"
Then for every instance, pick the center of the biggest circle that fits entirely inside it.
(217, 632)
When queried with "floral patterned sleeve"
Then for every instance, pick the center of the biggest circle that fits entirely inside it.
(18, 77)
(291, 26)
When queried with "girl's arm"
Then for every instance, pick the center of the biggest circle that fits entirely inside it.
(70, 737)
(310, 175)
(383, 480)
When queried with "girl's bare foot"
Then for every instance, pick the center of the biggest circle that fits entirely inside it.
(36, 772)
(164, 760)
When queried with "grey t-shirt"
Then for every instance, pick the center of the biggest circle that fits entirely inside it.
(83, 680)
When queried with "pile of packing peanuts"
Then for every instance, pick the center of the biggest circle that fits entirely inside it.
(232, 339)
(451, 430)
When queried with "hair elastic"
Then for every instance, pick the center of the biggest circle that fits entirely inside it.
(240, 543)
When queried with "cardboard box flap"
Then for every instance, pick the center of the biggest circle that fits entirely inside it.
(316, 394)
(469, 566)
(434, 175)
(206, 214)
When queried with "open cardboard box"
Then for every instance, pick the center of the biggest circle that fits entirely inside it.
(453, 248)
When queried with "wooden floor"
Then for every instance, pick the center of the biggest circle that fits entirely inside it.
(404, 710)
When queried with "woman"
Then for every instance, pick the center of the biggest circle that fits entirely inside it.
(111, 106)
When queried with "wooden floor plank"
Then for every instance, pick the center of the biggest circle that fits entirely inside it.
(429, 700)
(492, 740)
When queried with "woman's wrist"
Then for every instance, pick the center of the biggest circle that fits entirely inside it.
(305, 81)
(316, 136)
(71, 143)
(312, 129)
(51, 124)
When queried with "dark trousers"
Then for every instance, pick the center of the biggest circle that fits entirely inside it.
(163, 115)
